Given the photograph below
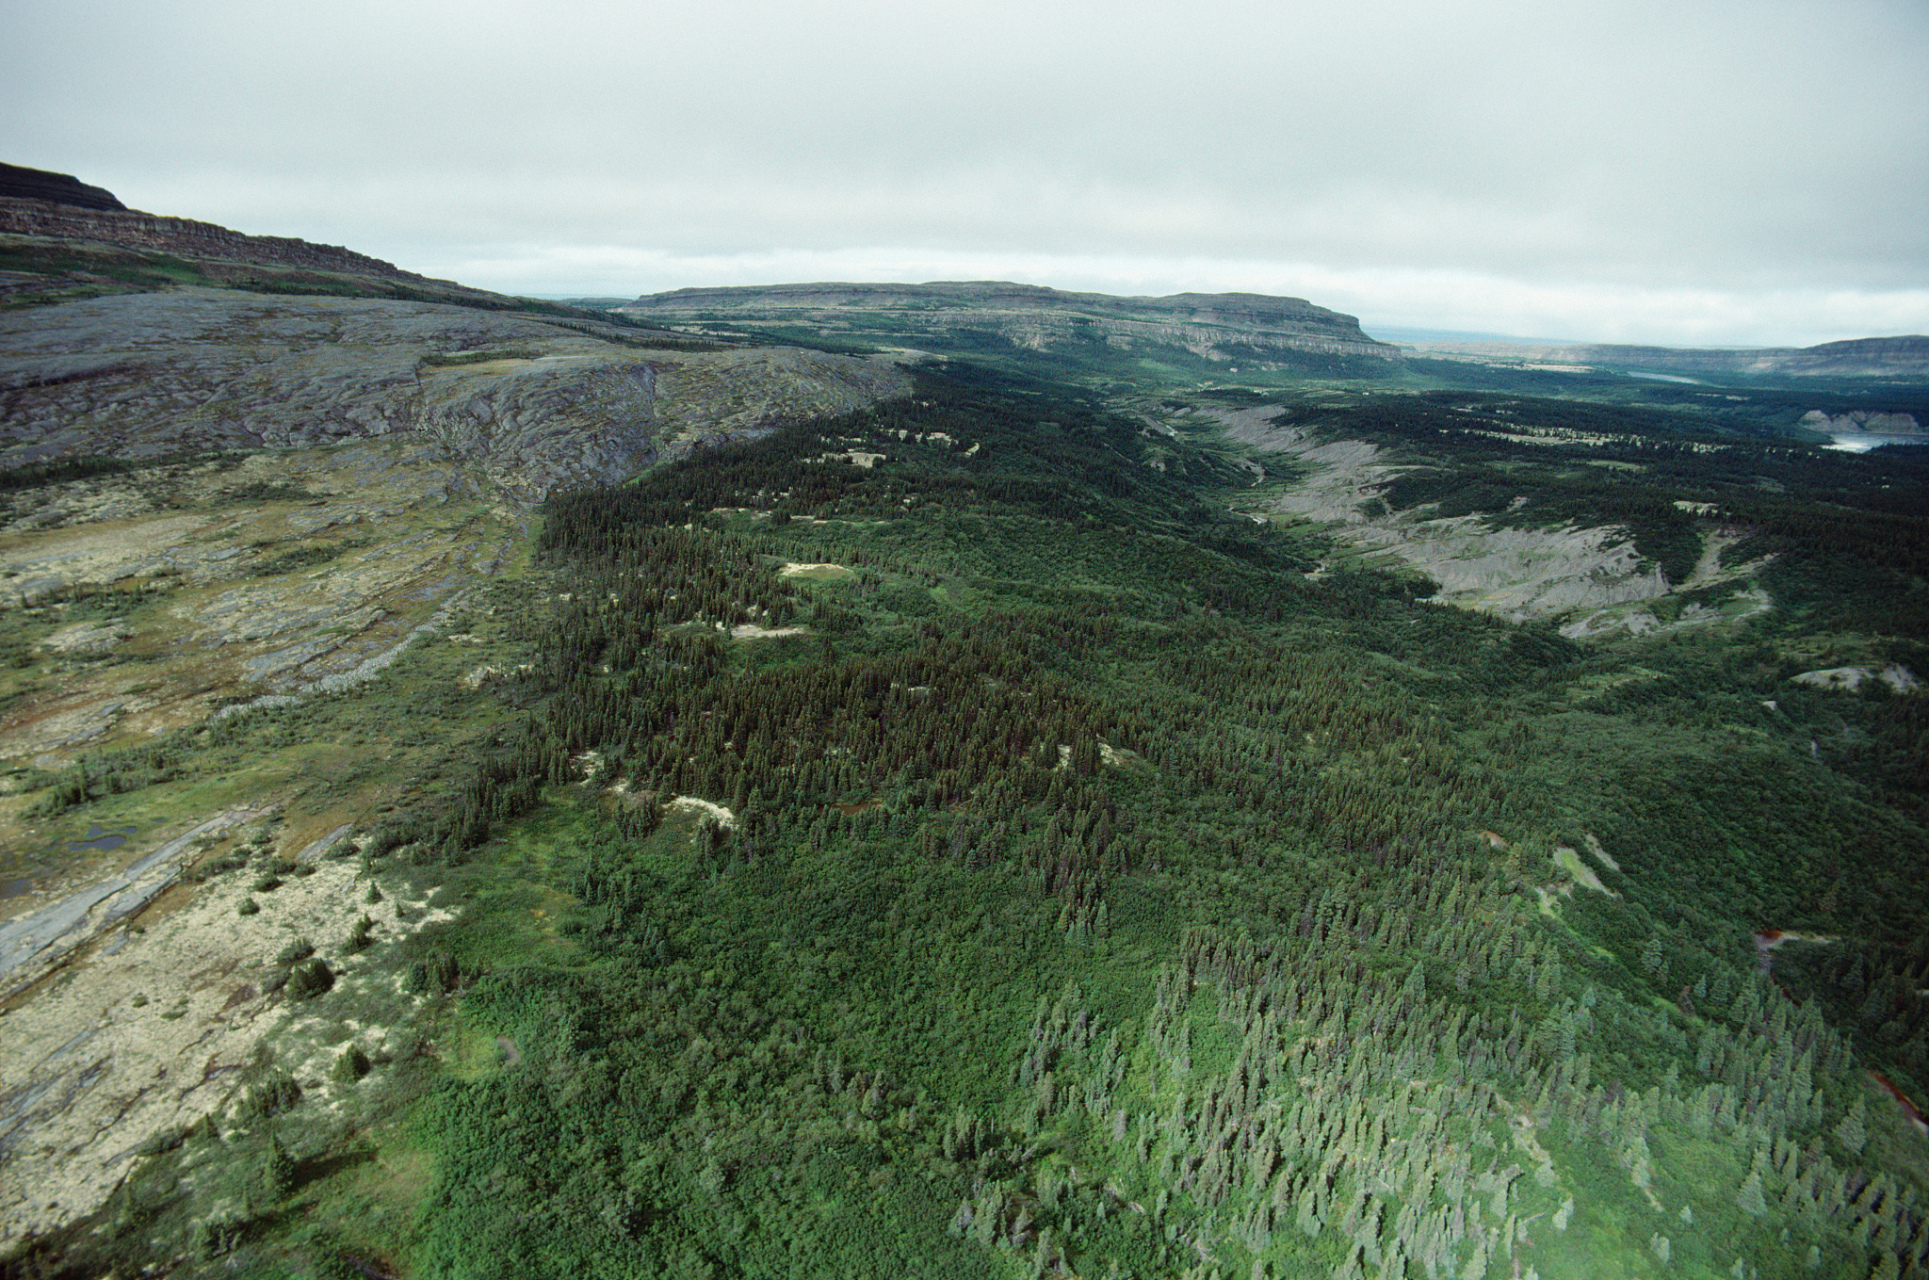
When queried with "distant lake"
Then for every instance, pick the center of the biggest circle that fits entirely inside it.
(1863, 441)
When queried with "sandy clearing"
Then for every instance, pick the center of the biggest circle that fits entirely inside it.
(856, 457)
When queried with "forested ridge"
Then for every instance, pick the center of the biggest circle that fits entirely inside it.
(936, 842)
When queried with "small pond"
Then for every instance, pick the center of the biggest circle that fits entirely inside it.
(100, 839)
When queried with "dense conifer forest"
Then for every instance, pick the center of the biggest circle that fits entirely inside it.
(936, 842)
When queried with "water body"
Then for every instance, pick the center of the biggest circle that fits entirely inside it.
(100, 839)
(1667, 377)
(1863, 441)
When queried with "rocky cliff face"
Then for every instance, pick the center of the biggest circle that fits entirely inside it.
(535, 406)
(183, 237)
(1216, 326)
(20, 183)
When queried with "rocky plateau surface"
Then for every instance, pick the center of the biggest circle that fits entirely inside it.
(297, 491)
(159, 1021)
(1863, 421)
(533, 405)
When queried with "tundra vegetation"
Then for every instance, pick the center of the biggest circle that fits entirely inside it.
(1096, 881)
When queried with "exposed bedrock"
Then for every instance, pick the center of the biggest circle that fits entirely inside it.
(535, 406)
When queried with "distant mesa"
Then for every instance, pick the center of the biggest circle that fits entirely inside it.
(997, 295)
(1902, 356)
(1218, 326)
(1854, 358)
(20, 183)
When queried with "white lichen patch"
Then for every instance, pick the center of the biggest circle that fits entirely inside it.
(824, 572)
(1850, 679)
(855, 457)
(486, 673)
(751, 631)
(716, 813)
(153, 1028)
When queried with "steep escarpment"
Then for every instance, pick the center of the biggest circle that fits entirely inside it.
(1211, 326)
(534, 405)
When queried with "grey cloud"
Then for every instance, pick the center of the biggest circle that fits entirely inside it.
(1629, 152)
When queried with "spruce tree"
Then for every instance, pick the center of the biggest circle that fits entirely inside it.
(1750, 1199)
(1852, 1132)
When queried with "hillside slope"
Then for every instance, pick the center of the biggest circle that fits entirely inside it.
(938, 840)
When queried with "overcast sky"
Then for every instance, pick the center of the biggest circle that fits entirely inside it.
(1695, 172)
